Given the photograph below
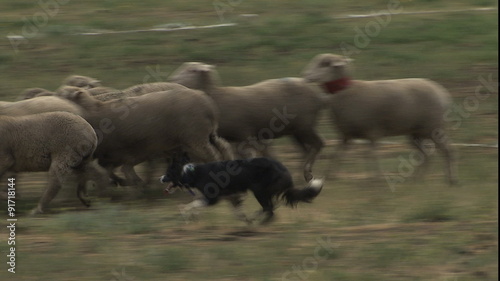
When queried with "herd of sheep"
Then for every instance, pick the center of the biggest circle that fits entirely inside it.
(65, 130)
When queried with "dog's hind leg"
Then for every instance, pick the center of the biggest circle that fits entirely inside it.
(267, 207)
(236, 201)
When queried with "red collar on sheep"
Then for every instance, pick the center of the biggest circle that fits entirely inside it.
(337, 85)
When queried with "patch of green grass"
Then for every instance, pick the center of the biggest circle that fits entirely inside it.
(171, 259)
(416, 231)
(386, 255)
(273, 47)
(110, 219)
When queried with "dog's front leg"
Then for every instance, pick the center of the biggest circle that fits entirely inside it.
(189, 210)
(236, 202)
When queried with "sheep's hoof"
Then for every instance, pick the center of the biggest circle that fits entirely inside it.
(36, 211)
(247, 220)
(87, 203)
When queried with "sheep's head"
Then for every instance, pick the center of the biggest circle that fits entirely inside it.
(326, 67)
(82, 82)
(194, 75)
(72, 93)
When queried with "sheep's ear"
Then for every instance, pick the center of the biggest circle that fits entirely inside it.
(76, 94)
(343, 62)
(94, 83)
(206, 68)
(340, 63)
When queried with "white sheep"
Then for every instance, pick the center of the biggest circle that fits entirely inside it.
(81, 81)
(252, 115)
(38, 92)
(34, 92)
(135, 129)
(100, 90)
(106, 94)
(38, 105)
(374, 109)
(58, 142)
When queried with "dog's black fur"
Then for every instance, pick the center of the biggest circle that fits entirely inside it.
(268, 180)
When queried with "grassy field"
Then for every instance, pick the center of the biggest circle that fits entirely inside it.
(357, 229)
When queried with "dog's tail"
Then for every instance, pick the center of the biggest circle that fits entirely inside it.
(293, 195)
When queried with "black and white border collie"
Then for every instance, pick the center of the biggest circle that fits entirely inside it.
(267, 179)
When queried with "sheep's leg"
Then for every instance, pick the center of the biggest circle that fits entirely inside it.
(205, 152)
(223, 147)
(336, 158)
(422, 168)
(49, 194)
(252, 147)
(95, 174)
(115, 179)
(81, 191)
(84, 174)
(150, 169)
(131, 177)
(372, 152)
(244, 152)
(81, 188)
(266, 152)
(443, 145)
(5, 164)
(4, 175)
(312, 144)
(56, 174)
